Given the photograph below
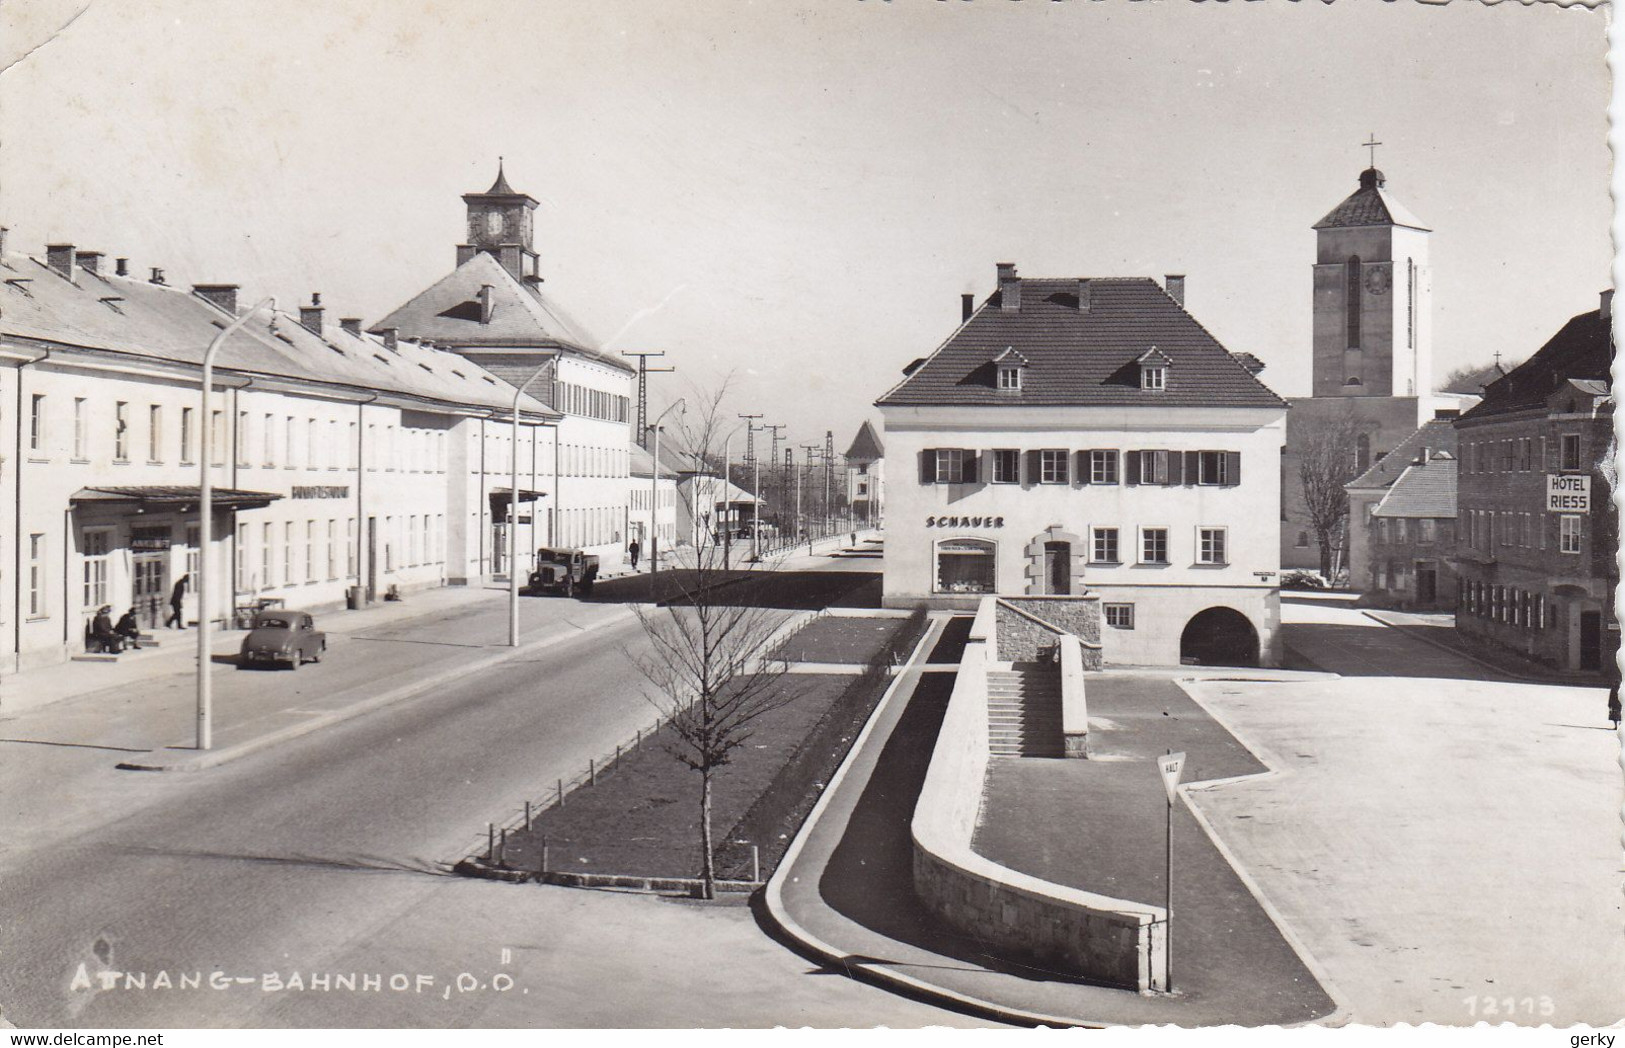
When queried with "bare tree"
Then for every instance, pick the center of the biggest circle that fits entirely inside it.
(711, 668)
(1471, 378)
(1326, 462)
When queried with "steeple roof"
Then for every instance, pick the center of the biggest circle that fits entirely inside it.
(1370, 205)
(500, 189)
(866, 446)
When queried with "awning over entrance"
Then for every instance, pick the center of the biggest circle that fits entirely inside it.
(153, 498)
(500, 497)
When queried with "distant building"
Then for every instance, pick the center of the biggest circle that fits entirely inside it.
(491, 310)
(866, 476)
(1089, 436)
(1372, 348)
(1405, 564)
(1537, 533)
(648, 492)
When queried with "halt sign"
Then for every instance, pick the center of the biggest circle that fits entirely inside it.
(1171, 766)
(1568, 493)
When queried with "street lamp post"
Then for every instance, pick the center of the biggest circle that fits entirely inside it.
(513, 508)
(205, 576)
(654, 493)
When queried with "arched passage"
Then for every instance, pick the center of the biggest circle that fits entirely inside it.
(1219, 637)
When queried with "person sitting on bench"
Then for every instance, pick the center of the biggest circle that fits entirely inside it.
(102, 636)
(129, 630)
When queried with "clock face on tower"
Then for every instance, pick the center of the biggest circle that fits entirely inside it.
(494, 223)
(1376, 280)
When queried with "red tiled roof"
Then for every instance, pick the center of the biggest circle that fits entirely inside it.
(1084, 357)
(1423, 490)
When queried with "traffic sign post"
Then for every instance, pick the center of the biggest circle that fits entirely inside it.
(1170, 766)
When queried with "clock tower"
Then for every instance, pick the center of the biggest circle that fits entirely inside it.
(500, 223)
(1372, 335)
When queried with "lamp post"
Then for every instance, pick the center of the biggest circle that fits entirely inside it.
(513, 508)
(654, 493)
(205, 695)
(728, 498)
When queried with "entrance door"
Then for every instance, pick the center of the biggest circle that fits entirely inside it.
(1058, 566)
(1591, 640)
(150, 587)
(372, 559)
(1427, 584)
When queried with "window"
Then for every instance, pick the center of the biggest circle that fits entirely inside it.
(1103, 547)
(311, 444)
(1571, 451)
(1362, 453)
(1211, 546)
(155, 433)
(310, 551)
(36, 423)
(952, 466)
(1010, 378)
(1402, 531)
(94, 593)
(335, 450)
(1212, 467)
(1351, 304)
(1303, 538)
(1052, 467)
(1153, 545)
(1103, 467)
(349, 546)
(287, 553)
(965, 566)
(289, 436)
(121, 431)
(1568, 533)
(36, 576)
(266, 544)
(1120, 616)
(1147, 467)
(194, 555)
(242, 440)
(1154, 376)
(1426, 531)
(79, 427)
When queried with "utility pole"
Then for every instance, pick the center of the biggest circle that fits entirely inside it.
(807, 460)
(756, 485)
(829, 475)
(776, 438)
(644, 371)
(750, 437)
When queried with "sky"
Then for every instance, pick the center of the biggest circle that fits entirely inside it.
(791, 196)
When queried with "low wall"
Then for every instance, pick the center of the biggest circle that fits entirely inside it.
(1020, 916)
(1074, 701)
(1027, 627)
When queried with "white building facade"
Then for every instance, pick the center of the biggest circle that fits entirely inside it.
(1089, 437)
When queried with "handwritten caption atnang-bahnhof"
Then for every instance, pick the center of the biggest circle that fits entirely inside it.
(284, 982)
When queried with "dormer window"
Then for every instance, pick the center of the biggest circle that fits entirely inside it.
(1009, 364)
(1154, 377)
(1010, 377)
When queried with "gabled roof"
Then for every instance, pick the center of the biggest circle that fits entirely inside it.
(159, 322)
(1154, 357)
(642, 464)
(1425, 489)
(866, 446)
(1011, 356)
(1370, 205)
(1083, 357)
(1435, 435)
(448, 312)
(1581, 350)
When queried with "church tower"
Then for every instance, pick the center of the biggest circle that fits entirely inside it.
(500, 223)
(1372, 304)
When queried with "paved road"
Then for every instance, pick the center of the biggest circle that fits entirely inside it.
(1445, 846)
(324, 858)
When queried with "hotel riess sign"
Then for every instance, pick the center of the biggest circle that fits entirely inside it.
(1568, 493)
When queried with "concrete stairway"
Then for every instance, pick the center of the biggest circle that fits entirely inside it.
(1024, 711)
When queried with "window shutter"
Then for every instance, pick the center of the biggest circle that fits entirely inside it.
(1159, 468)
(928, 466)
(968, 459)
(1193, 467)
(1131, 467)
(1176, 468)
(1034, 467)
(1232, 468)
(1082, 475)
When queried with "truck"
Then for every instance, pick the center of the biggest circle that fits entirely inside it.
(565, 572)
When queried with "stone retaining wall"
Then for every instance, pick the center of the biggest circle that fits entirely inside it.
(1023, 640)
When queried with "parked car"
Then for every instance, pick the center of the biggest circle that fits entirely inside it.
(279, 636)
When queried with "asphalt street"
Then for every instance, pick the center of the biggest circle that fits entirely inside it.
(323, 861)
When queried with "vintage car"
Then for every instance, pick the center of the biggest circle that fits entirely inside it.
(279, 636)
(566, 572)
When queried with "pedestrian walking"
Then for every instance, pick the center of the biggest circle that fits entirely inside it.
(129, 629)
(1613, 704)
(176, 596)
(632, 552)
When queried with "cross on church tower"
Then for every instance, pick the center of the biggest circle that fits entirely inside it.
(1372, 145)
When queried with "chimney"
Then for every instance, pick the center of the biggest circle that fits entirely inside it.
(485, 303)
(1607, 307)
(3, 231)
(392, 337)
(1009, 288)
(1175, 285)
(310, 317)
(60, 258)
(967, 306)
(351, 324)
(121, 267)
(222, 296)
(1083, 295)
(91, 262)
(157, 276)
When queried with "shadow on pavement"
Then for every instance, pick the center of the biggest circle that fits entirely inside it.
(787, 590)
(1376, 651)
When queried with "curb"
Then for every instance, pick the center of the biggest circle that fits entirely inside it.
(192, 760)
(773, 894)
